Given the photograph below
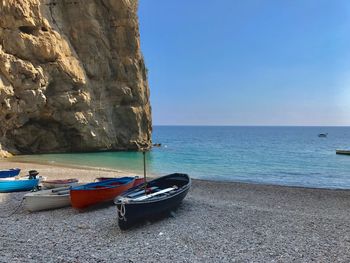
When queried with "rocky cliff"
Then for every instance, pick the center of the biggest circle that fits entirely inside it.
(72, 77)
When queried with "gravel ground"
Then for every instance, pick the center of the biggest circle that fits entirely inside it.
(217, 222)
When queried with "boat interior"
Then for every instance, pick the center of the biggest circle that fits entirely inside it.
(105, 184)
(158, 188)
(169, 182)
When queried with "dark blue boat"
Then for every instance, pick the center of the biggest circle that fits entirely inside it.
(163, 195)
(9, 173)
(18, 185)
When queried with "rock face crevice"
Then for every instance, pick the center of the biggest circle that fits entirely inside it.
(72, 77)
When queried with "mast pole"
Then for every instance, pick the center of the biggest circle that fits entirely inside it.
(144, 170)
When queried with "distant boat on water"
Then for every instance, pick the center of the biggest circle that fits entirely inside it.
(322, 135)
(345, 152)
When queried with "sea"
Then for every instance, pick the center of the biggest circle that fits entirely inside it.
(292, 156)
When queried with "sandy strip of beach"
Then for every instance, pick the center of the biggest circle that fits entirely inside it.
(217, 222)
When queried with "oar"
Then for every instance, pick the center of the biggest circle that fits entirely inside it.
(63, 188)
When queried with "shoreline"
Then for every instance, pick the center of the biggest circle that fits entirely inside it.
(217, 222)
(119, 172)
(44, 164)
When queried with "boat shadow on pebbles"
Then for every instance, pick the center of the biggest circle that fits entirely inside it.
(94, 208)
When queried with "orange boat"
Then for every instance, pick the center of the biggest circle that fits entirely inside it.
(139, 181)
(94, 193)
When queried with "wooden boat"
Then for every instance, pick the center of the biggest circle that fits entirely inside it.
(345, 152)
(47, 199)
(100, 179)
(17, 185)
(139, 181)
(136, 183)
(94, 193)
(163, 195)
(41, 178)
(49, 184)
(9, 173)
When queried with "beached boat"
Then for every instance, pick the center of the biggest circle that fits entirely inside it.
(100, 179)
(49, 184)
(136, 183)
(94, 193)
(9, 173)
(41, 178)
(139, 181)
(47, 199)
(17, 185)
(345, 152)
(162, 195)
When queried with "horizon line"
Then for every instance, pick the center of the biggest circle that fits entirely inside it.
(248, 125)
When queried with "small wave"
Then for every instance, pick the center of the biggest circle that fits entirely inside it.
(299, 173)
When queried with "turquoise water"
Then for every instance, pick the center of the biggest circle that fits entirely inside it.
(273, 155)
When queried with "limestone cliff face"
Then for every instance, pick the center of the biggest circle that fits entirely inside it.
(72, 77)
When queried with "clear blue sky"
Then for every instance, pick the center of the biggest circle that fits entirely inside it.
(247, 62)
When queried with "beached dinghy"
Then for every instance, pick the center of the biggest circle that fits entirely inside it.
(47, 199)
(17, 185)
(94, 193)
(9, 173)
(137, 182)
(49, 184)
(163, 195)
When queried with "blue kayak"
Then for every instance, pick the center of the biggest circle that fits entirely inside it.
(9, 173)
(18, 185)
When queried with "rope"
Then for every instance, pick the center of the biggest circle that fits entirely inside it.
(20, 204)
(122, 210)
(35, 189)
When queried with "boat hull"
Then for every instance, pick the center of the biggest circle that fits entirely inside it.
(18, 185)
(91, 194)
(60, 183)
(9, 173)
(140, 211)
(45, 200)
(137, 182)
(344, 152)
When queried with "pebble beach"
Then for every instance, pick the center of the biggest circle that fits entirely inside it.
(217, 222)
